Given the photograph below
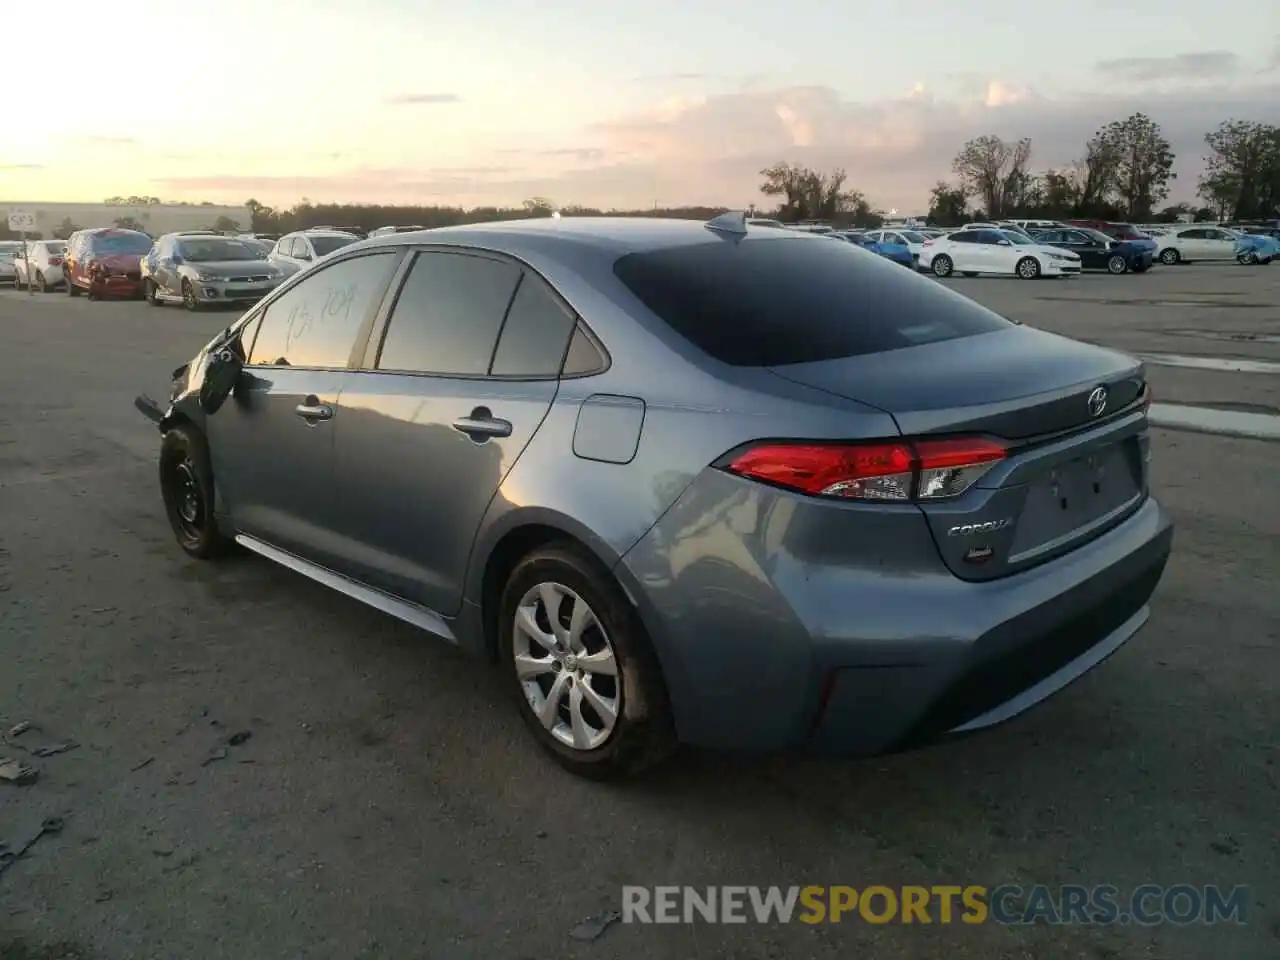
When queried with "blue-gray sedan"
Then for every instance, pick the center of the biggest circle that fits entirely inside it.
(708, 483)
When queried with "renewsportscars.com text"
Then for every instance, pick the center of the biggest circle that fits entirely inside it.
(1146, 905)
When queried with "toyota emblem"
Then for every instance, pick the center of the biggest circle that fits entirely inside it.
(1097, 401)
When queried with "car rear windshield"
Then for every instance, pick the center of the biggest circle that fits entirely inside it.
(325, 245)
(121, 243)
(769, 302)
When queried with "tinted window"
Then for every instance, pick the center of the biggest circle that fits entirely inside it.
(535, 335)
(765, 302)
(1192, 234)
(583, 357)
(326, 245)
(315, 322)
(964, 236)
(447, 316)
(914, 237)
(991, 237)
(121, 243)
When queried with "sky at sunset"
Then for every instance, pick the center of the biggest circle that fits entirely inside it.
(604, 103)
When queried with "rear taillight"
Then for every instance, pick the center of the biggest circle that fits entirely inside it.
(898, 470)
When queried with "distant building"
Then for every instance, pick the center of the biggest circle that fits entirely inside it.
(154, 218)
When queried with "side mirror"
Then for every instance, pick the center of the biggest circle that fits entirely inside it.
(221, 374)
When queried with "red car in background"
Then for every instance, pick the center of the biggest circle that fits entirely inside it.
(106, 262)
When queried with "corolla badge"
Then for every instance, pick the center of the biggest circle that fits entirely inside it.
(971, 529)
(1097, 401)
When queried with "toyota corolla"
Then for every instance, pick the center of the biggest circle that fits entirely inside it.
(707, 483)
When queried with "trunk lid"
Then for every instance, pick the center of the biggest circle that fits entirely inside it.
(1071, 472)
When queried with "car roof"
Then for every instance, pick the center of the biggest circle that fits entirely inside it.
(614, 235)
(321, 233)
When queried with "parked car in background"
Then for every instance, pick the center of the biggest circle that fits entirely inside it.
(1009, 228)
(911, 239)
(482, 444)
(764, 222)
(207, 271)
(387, 231)
(1031, 226)
(294, 251)
(1256, 248)
(890, 249)
(359, 232)
(1098, 251)
(8, 250)
(267, 238)
(105, 262)
(1191, 244)
(1119, 231)
(1002, 252)
(40, 264)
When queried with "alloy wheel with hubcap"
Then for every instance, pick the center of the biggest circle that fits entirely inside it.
(189, 296)
(1170, 256)
(1028, 268)
(581, 665)
(1117, 264)
(566, 666)
(941, 266)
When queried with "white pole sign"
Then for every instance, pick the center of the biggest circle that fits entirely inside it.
(22, 221)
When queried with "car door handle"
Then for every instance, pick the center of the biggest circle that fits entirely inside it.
(482, 424)
(313, 411)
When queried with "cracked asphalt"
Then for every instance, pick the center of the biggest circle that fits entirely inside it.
(388, 802)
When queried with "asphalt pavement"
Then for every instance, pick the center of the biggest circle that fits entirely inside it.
(387, 802)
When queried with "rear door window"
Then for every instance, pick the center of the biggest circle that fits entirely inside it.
(535, 334)
(767, 302)
(448, 314)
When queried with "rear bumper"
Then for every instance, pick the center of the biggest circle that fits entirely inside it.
(1016, 665)
(774, 633)
(116, 286)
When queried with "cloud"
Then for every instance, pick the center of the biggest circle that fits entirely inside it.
(670, 77)
(421, 99)
(710, 149)
(109, 141)
(22, 166)
(1208, 64)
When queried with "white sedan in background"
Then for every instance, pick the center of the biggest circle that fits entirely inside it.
(42, 265)
(1196, 243)
(983, 250)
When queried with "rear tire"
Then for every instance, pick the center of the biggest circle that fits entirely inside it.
(1028, 268)
(1117, 264)
(942, 266)
(186, 484)
(643, 732)
(189, 296)
(1169, 256)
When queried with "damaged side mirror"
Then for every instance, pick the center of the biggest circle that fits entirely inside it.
(221, 374)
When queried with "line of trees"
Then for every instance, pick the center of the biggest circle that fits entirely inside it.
(1124, 173)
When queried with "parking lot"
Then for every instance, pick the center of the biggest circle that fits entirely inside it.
(389, 803)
